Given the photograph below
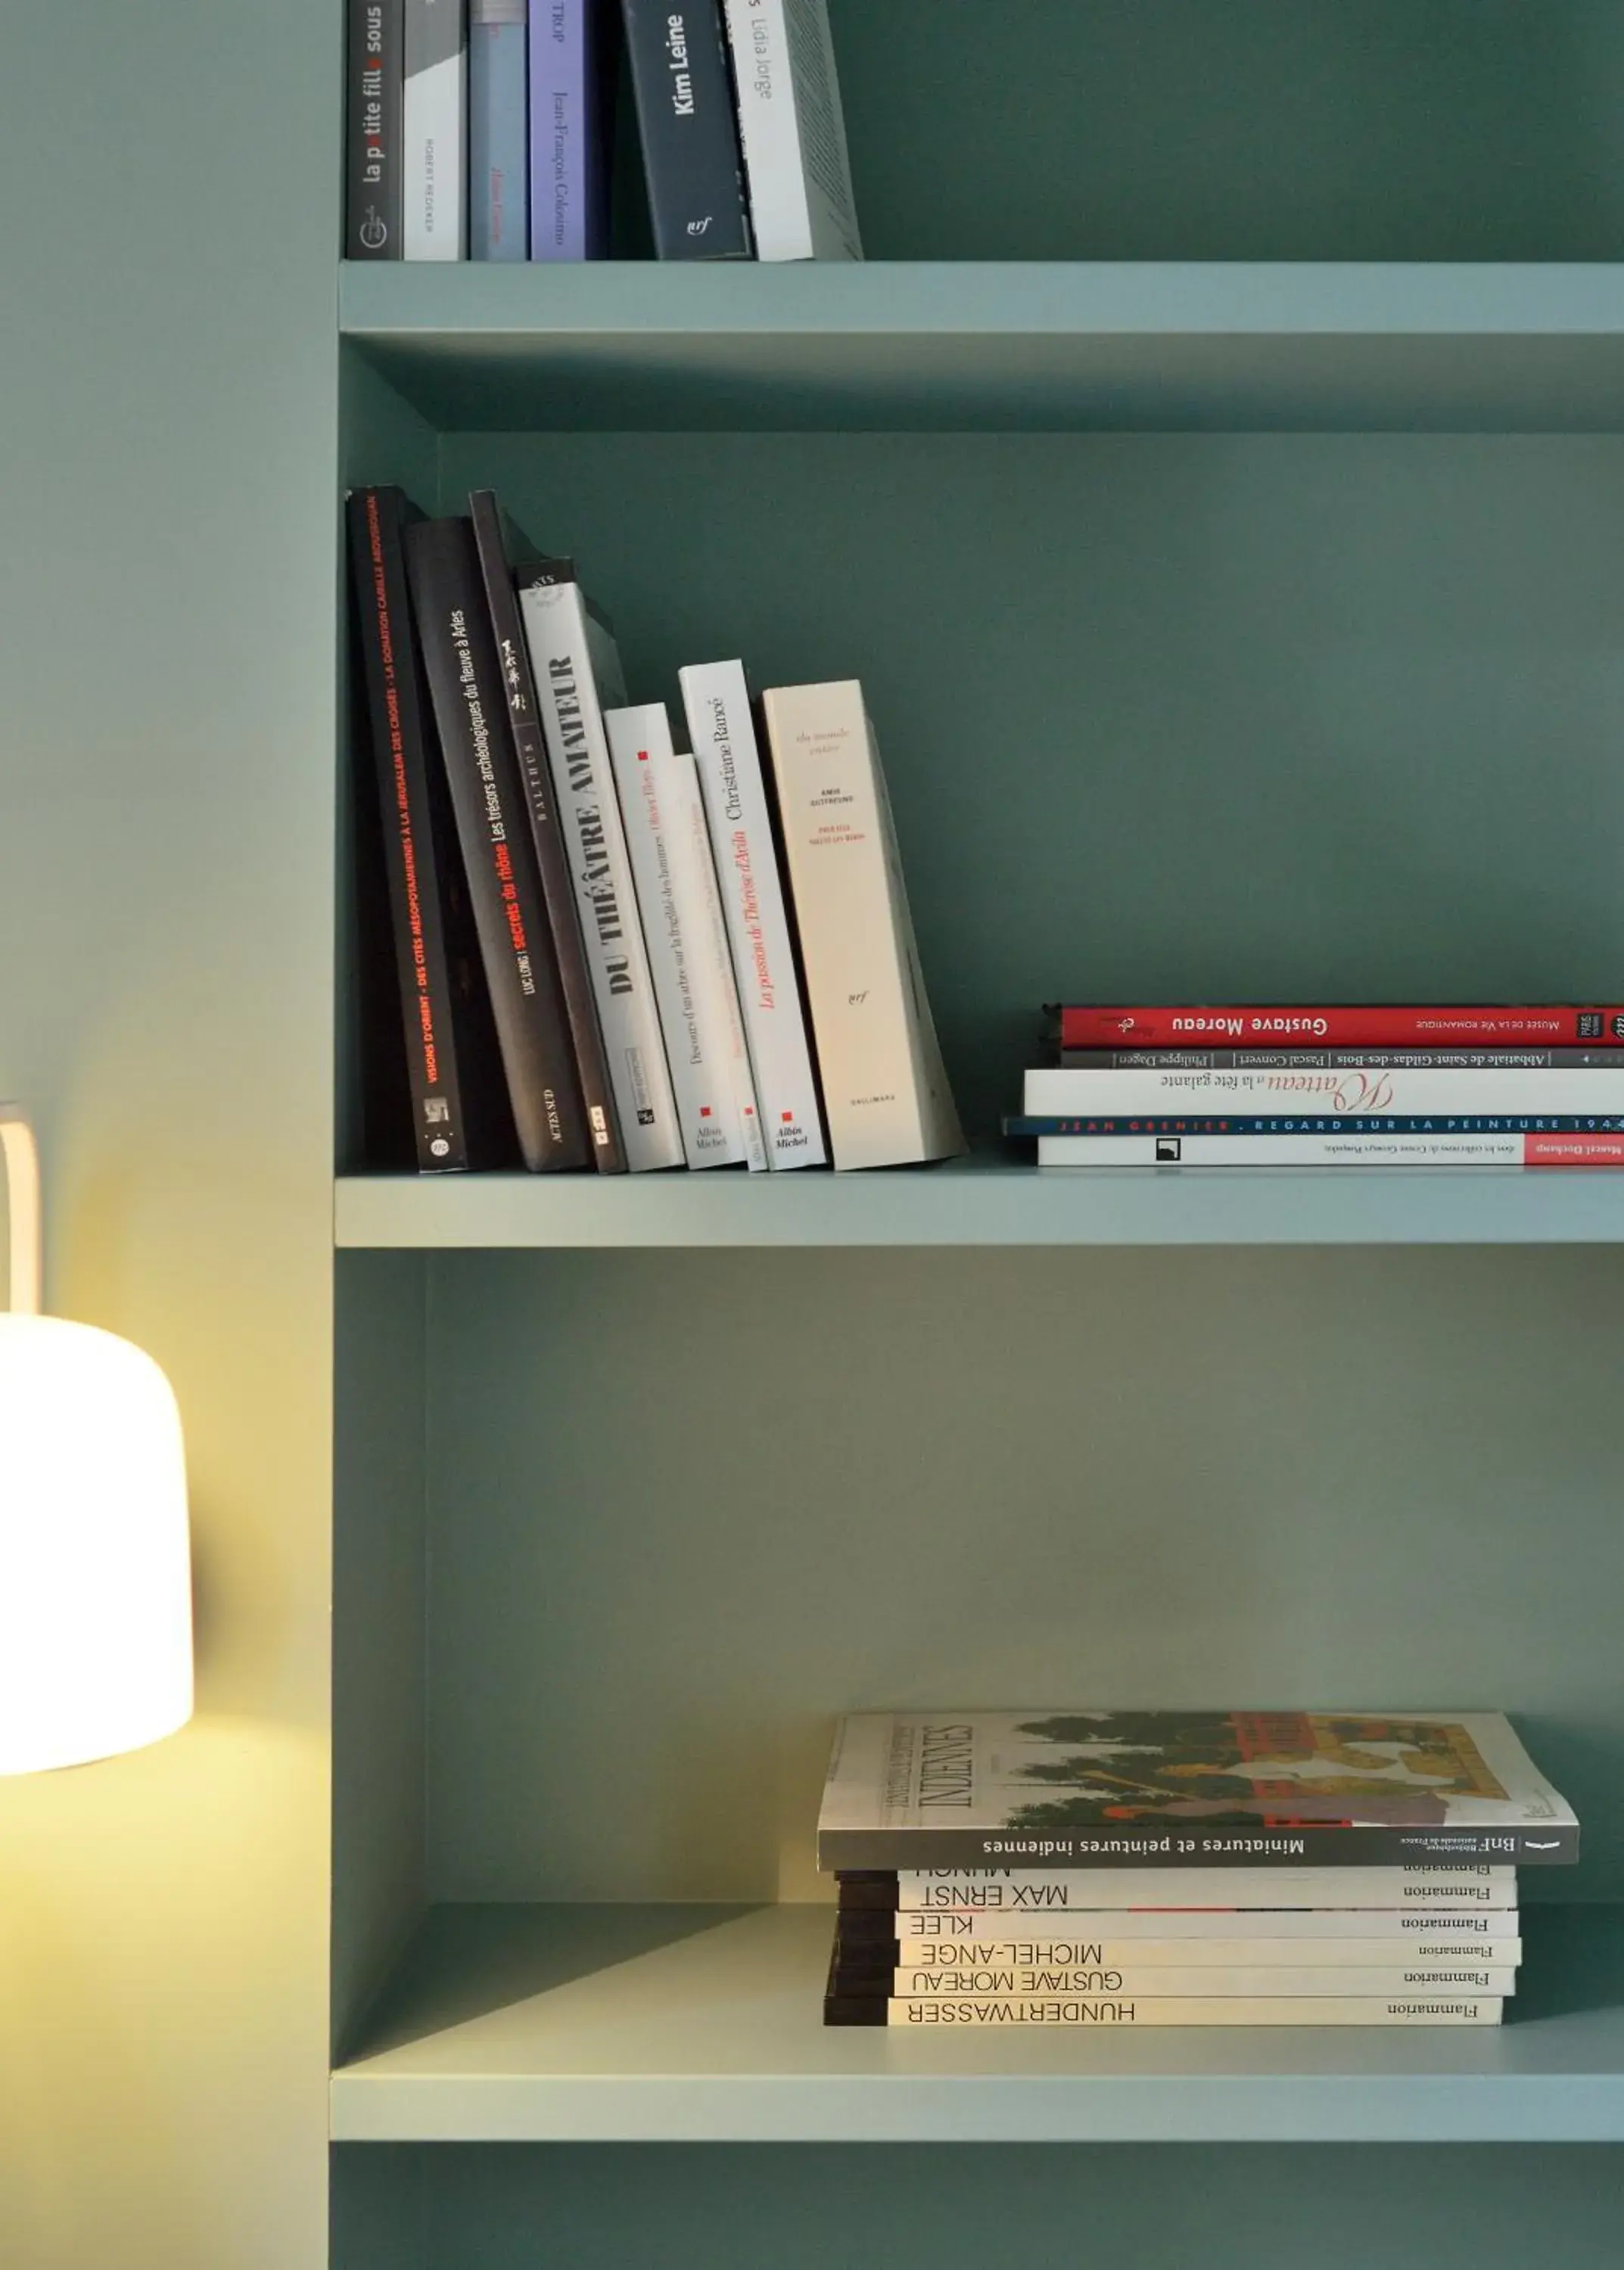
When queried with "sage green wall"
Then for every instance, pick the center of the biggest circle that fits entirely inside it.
(167, 575)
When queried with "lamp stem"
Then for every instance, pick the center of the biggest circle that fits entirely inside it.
(22, 1189)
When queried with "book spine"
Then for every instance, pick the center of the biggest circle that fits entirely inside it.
(1037, 1890)
(558, 889)
(374, 95)
(569, 131)
(793, 130)
(378, 573)
(689, 129)
(498, 204)
(716, 702)
(1035, 1980)
(1302, 1060)
(1172, 2010)
(1391, 1952)
(1094, 1853)
(934, 1935)
(1385, 1027)
(564, 665)
(884, 1090)
(1357, 1150)
(433, 144)
(1339, 1094)
(1281, 1125)
(465, 684)
(692, 979)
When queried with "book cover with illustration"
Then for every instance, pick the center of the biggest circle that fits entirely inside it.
(1092, 1789)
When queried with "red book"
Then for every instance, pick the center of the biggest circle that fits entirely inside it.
(1382, 1027)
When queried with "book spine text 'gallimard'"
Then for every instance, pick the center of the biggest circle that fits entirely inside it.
(435, 141)
(515, 947)
(689, 129)
(374, 82)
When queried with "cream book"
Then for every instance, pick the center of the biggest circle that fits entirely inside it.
(669, 848)
(936, 1930)
(1025, 1980)
(885, 1088)
(1395, 1951)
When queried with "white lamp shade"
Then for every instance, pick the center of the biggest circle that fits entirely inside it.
(95, 1572)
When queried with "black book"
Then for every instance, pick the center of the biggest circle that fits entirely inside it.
(465, 685)
(499, 544)
(374, 102)
(689, 127)
(459, 1114)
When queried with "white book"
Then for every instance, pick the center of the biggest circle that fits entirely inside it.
(1189, 2010)
(669, 846)
(1355, 1149)
(1279, 1092)
(922, 1928)
(793, 130)
(434, 130)
(884, 1087)
(1430, 1978)
(1394, 1950)
(576, 669)
(1033, 1891)
(716, 701)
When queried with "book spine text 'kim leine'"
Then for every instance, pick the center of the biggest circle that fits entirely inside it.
(689, 129)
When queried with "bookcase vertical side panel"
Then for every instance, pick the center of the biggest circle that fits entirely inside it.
(166, 456)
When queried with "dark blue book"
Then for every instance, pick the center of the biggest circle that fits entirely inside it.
(569, 129)
(686, 116)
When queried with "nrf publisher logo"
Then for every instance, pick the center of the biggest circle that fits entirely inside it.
(1168, 1151)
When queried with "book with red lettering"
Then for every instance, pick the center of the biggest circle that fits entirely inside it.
(1291, 1026)
(1076, 1789)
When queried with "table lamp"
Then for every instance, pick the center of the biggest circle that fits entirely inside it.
(95, 1571)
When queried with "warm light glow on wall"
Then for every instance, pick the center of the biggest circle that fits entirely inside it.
(95, 1574)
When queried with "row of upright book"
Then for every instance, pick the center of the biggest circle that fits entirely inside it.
(609, 950)
(483, 129)
(1127, 1868)
(1382, 1086)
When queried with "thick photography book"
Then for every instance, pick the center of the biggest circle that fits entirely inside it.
(498, 129)
(374, 94)
(465, 682)
(500, 546)
(689, 129)
(571, 69)
(1338, 1026)
(793, 134)
(1102, 1790)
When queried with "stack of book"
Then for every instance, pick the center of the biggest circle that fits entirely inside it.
(1337, 1086)
(609, 950)
(481, 128)
(1176, 1868)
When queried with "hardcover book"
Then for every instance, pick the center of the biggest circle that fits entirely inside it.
(1113, 1949)
(498, 136)
(689, 129)
(716, 701)
(1036, 1891)
(664, 817)
(465, 683)
(931, 1932)
(843, 2009)
(374, 95)
(1339, 1025)
(884, 1087)
(1352, 1147)
(499, 544)
(1038, 1978)
(1354, 1092)
(576, 671)
(569, 131)
(434, 163)
(793, 134)
(1181, 1789)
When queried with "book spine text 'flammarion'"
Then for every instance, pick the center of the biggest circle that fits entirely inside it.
(1170, 2010)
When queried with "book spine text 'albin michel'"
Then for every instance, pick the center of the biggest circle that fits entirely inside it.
(690, 133)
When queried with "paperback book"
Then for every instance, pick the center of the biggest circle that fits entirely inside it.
(374, 84)
(689, 129)
(434, 165)
(1102, 1790)
(569, 123)
(498, 215)
(793, 134)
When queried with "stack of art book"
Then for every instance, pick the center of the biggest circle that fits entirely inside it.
(1087, 1867)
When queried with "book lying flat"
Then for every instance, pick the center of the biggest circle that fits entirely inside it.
(1075, 1951)
(1030, 1891)
(1102, 1790)
(1027, 1981)
(924, 1930)
(1169, 2010)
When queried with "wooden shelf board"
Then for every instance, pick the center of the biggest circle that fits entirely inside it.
(1233, 347)
(695, 2023)
(989, 1199)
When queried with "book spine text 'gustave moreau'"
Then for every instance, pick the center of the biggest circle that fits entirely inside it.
(664, 817)
(1026, 1980)
(576, 670)
(1170, 2010)
(1358, 1148)
(568, 130)
(465, 682)
(498, 136)
(1355, 1092)
(716, 701)
(374, 81)
(689, 129)
(793, 134)
(558, 889)
(434, 139)
(1336, 1027)
(885, 1088)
